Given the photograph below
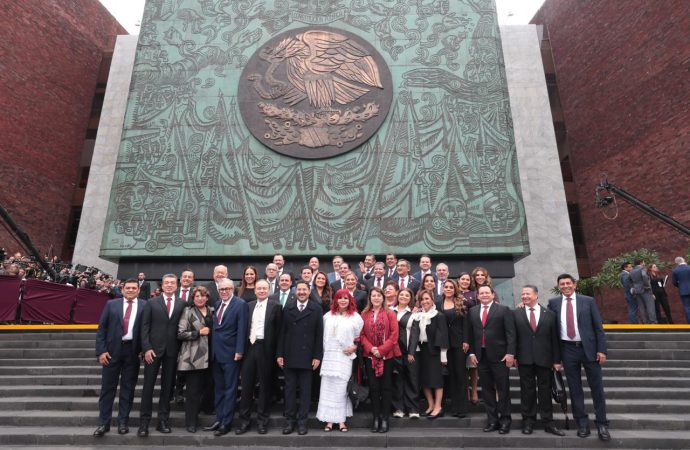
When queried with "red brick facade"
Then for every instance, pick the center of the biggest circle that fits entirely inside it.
(622, 70)
(50, 52)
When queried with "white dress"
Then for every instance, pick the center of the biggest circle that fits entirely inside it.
(339, 332)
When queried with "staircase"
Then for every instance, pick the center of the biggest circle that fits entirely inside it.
(49, 385)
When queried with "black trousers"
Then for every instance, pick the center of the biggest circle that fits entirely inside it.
(257, 366)
(661, 299)
(167, 365)
(574, 360)
(196, 381)
(493, 378)
(457, 381)
(297, 379)
(535, 393)
(380, 388)
(405, 385)
(124, 371)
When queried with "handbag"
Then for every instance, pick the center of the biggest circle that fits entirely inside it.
(357, 393)
(558, 394)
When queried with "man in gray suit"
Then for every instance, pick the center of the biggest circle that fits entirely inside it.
(624, 278)
(642, 292)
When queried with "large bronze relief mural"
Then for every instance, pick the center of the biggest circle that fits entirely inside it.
(315, 127)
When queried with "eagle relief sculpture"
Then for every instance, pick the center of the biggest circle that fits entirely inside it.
(315, 88)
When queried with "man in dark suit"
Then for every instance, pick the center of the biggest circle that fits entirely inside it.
(424, 269)
(366, 269)
(283, 295)
(220, 273)
(228, 343)
(642, 292)
(117, 347)
(405, 280)
(185, 294)
(343, 270)
(538, 350)
(392, 266)
(441, 277)
(681, 279)
(300, 350)
(159, 343)
(144, 286)
(379, 278)
(583, 344)
(333, 276)
(624, 279)
(492, 349)
(264, 325)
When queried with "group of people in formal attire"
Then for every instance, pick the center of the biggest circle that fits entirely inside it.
(406, 336)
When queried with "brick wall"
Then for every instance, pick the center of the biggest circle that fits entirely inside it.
(50, 53)
(622, 72)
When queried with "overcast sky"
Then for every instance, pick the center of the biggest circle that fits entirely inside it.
(510, 12)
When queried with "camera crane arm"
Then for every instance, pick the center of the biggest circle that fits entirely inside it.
(606, 199)
(24, 238)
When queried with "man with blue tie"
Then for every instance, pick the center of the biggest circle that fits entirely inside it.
(583, 344)
(228, 342)
(117, 349)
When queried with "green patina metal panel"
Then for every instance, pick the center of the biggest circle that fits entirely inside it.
(439, 175)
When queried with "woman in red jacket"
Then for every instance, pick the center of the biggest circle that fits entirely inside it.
(379, 339)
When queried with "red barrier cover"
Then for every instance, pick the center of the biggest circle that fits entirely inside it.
(88, 306)
(46, 302)
(9, 297)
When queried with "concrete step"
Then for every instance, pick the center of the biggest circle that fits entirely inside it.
(649, 336)
(645, 354)
(659, 346)
(85, 344)
(410, 438)
(47, 335)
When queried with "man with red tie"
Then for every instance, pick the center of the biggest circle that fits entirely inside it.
(379, 278)
(159, 343)
(583, 344)
(405, 280)
(117, 349)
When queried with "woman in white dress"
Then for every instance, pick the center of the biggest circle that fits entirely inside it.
(341, 326)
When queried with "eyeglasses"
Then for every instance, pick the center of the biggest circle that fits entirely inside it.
(224, 289)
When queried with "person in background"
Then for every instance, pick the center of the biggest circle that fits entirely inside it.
(658, 282)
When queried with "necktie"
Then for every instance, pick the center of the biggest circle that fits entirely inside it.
(378, 283)
(402, 283)
(532, 319)
(128, 314)
(184, 294)
(169, 304)
(301, 307)
(252, 333)
(570, 319)
(485, 314)
(220, 313)
(282, 298)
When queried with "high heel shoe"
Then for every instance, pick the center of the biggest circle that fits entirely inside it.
(432, 416)
(376, 425)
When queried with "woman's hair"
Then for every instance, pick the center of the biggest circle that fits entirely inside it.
(203, 291)
(463, 274)
(458, 299)
(473, 283)
(243, 286)
(391, 283)
(351, 307)
(412, 299)
(369, 305)
(421, 293)
(327, 295)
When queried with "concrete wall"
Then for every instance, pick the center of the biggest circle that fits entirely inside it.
(87, 247)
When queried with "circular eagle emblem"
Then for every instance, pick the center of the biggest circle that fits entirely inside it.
(315, 92)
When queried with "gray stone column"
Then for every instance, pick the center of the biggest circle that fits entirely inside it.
(550, 237)
(92, 223)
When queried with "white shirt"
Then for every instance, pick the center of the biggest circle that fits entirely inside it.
(172, 303)
(402, 313)
(564, 323)
(406, 280)
(488, 310)
(130, 334)
(537, 312)
(182, 291)
(259, 319)
(302, 305)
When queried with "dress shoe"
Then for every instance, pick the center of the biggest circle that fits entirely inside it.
(101, 430)
(504, 429)
(384, 426)
(213, 427)
(302, 429)
(191, 429)
(491, 427)
(459, 415)
(553, 430)
(583, 432)
(122, 429)
(179, 400)
(143, 430)
(243, 428)
(262, 429)
(375, 425)
(289, 428)
(603, 432)
(221, 430)
(163, 426)
(527, 428)
(435, 416)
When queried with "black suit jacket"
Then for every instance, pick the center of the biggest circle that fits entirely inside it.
(437, 334)
(110, 324)
(212, 291)
(408, 344)
(145, 290)
(158, 331)
(371, 282)
(336, 285)
(276, 296)
(360, 299)
(190, 299)
(499, 332)
(301, 335)
(541, 347)
(458, 327)
(272, 325)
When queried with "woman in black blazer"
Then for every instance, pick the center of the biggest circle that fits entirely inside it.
(429, 284)
(406, 371)
(433, 343)
(452, 305)
(321, 292)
